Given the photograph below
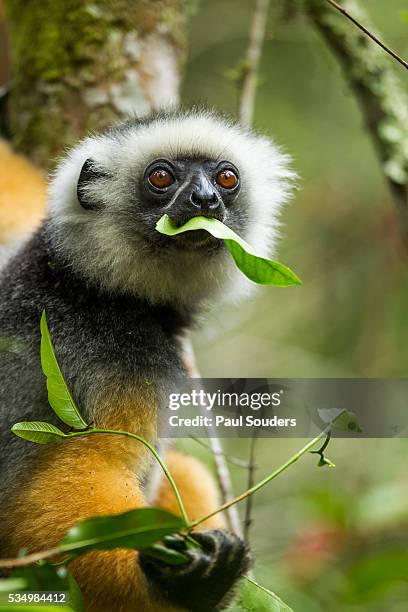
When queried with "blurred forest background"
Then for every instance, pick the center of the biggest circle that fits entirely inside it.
(326, 540)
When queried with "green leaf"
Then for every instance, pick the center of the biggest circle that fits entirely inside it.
(323, 459)
(76, 599)
(38, 432)
(137, 529)
(341, 419)
(255, 598)
(167, 555)
(9, 585)
(58, 393)
(258, 269)
(43, 576)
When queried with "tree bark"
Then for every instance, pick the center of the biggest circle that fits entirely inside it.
(375, 84)
(79, 65)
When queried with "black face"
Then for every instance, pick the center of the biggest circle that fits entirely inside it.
(180, 188)
(186, 188)
(189, 188)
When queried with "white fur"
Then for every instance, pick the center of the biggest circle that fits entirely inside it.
(94, 242)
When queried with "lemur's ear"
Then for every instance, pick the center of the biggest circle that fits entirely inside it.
(90, 173)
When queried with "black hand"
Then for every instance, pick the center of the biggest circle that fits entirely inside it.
(205, 584)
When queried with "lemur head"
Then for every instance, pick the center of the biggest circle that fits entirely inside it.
(108, 194)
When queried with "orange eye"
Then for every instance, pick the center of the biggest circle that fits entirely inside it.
(161, 178)
(227, 179)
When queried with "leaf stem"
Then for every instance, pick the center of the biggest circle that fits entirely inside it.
(30, 559)
(251, 62)
(263, 482)
(387, 49)
(326, 442)
(152, 450)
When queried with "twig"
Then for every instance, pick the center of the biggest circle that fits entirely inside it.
(29, 559)
(251, 482)
(156, 473)
(221, 468)
(233, 460)
(251, 62)
(224, 481)
(368, 33)
(265, 481)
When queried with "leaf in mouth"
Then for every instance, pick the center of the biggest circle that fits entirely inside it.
(258, 269)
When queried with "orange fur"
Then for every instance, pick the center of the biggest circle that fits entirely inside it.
(91, 476)
(71, 481)
(197, 488)
(22, 195)
(75, 480)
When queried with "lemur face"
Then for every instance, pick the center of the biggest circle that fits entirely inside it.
(108, 195)
(181, 188)
(185, 188)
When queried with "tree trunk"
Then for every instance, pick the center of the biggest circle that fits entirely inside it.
(374, 82)
(79, 65)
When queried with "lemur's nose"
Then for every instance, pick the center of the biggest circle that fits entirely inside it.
(205, 199)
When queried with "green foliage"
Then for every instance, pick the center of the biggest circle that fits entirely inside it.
(258, 269)
(140, 529)
(343, 420)
(340, 419)
(8, 585)
(137, 529)
(38, 432)
(323, 461)
(167, 555)
(371, 577)
(59, 396)
(43, 577)
(255, 598)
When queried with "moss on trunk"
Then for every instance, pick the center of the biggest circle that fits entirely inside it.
(78, 65)
(373, 79)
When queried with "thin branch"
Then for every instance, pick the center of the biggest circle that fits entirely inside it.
(224, 482)
(251, 482)
(368, 33)
(233, 460)
(29, 559)
(221, 467)
(251, 62)
(265, 481)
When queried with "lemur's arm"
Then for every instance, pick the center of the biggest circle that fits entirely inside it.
(87, 477)
(75, 480)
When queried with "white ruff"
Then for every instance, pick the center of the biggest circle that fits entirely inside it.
(95, 243)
